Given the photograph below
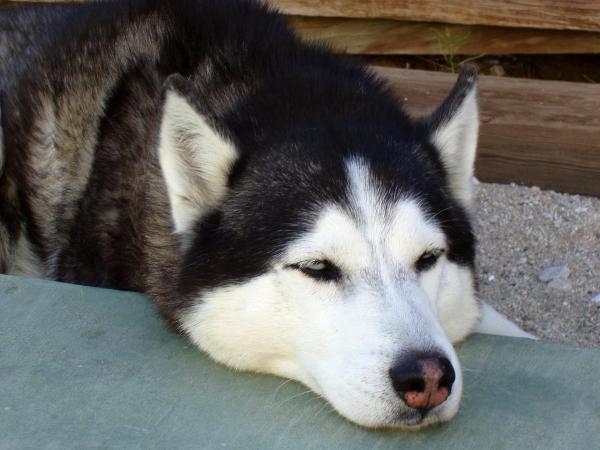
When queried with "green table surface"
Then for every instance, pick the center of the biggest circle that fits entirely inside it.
(93, 368)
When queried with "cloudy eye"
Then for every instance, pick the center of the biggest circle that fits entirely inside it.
(428, 259)
(315, 265)
(318, 269)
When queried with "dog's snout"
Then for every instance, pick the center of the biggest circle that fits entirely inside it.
(423, 380)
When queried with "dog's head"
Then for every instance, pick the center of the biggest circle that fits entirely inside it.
(336, 252)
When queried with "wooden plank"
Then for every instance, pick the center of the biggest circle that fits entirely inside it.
(551, 14)
(394, 37)
(542, 133)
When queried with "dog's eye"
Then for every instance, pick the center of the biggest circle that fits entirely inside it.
(321, 270)
(428, 259)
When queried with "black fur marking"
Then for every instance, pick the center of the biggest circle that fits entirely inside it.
(466, 82)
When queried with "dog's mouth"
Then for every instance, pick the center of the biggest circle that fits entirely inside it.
(399, 417)
(415, 420)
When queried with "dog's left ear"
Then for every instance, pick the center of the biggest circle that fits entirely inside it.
(453, 129)
(195, 156)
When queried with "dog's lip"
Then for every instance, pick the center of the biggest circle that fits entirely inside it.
(415, 418)
(409, 418)
(405, 424)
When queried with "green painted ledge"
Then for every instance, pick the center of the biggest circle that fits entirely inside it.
(92, 368)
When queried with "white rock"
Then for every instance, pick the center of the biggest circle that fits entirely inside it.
(552, 273)
(560, 283)
(596, 299)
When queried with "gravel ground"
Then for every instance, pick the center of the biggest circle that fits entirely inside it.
(539, 260)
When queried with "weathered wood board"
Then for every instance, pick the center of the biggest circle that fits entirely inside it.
(543, 133)
(550, 14)
(394, 37)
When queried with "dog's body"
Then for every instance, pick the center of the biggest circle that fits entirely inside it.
(272, 199)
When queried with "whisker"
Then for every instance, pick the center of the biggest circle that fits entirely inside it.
(281, 385)
(293, 397)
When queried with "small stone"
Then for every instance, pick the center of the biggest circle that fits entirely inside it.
(552, 273)
(522, 260)
(596, 299)
(491, 278)
(560, 283)
(497, 70)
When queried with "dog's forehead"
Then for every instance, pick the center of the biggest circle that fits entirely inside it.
(371, 223)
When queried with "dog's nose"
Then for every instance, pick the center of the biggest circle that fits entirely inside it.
(423, 380)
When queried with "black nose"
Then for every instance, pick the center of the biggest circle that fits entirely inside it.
(423, 380)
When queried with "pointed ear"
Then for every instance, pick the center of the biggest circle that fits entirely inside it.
(453, 129)
(195, 158)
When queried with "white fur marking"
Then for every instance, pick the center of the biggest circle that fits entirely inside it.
(195, 162)
(492, 322)
(456, 140)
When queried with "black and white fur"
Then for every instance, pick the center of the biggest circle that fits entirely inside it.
(272, 199)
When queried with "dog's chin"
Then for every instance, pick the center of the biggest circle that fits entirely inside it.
(406, 419)
(417, 420)
(404, 422)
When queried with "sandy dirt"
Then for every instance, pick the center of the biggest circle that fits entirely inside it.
(539, 260)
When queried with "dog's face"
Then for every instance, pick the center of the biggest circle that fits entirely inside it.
(340, 266)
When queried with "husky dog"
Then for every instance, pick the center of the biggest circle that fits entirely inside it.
(272, 199)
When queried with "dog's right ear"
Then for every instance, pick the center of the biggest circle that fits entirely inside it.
(195, 157)
(453, 129)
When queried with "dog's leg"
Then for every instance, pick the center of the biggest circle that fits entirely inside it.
(492, 322)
